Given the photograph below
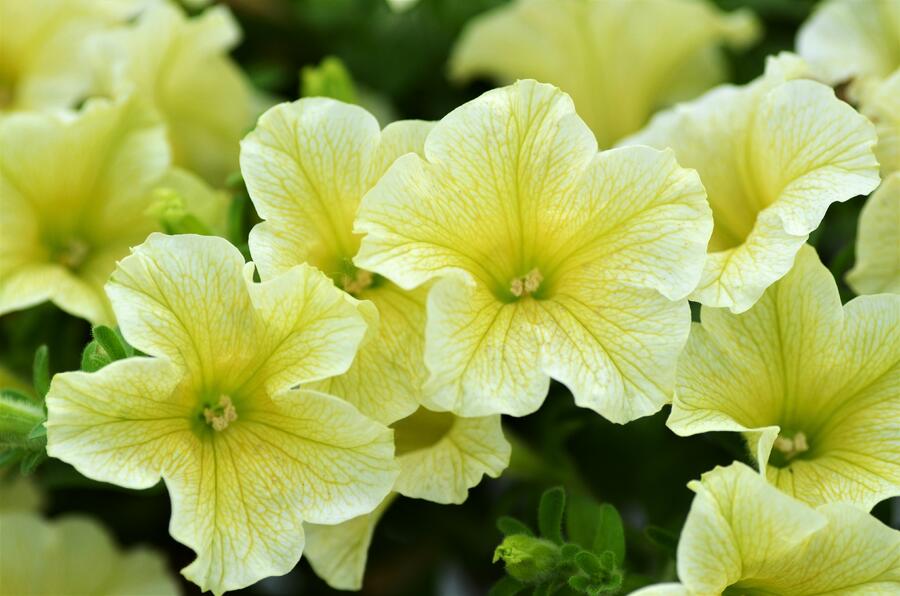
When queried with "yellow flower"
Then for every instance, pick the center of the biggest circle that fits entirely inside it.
(550, 259)
(619, 60)
(216, 412)
(441, 457)
(41, 50)
(73, 556)
(182, 66)
(814, 386)
(852, 41)
(773, 155)
(74, 190)
(307, 166)
(744, 537)
(877, 266)
(880, 103)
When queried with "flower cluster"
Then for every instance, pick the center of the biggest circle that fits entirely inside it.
(409, 285)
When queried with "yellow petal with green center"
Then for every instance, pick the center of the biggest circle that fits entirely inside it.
(813, 385)
(182, 66)
(744, 537)
(877, 267)
(61, 235)
(74, 555)
(307, 166)
(673, 49)
(247, 457)
(852, 41)
(552, 259)
(773, 155)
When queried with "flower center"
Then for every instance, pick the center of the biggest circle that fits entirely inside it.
(72, 254)
(220, 415)
(527, 284)
(356, 282)
(420, 430)
(789, 447)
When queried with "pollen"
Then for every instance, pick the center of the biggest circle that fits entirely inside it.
(356, 283)
(791, 447)
(72, 254)
(526, 284)
(220, 416)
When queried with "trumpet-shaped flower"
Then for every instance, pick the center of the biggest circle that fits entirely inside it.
(550, 259)
(441, 457)
(744, 537)
(216, 411)
(307, 166)
(74, 555)
(773, 155)
(41, 50)
(619, 60)
(852, 41)
(877, 266)
(74, 190)
(182, 65)
(814, 386)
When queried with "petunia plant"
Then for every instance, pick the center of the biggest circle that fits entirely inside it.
(877, 267)
(619, 60)
(813, 385)
(744, 537)
(773, 155)
(215, 409)
(544, 257)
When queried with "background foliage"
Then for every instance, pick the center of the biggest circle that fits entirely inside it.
(423, 548)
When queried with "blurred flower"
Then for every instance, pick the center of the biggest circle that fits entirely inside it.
(811, 384)
(744, 537)
(247, 456)
(42, 64)
(550, 259)
(880, 103)
(852, 41)
(619, 60)
(181, 65)
(773, 155)
(877, 266)
(74, 555)
(74, 193)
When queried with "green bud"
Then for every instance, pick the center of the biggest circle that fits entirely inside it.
(528, 559)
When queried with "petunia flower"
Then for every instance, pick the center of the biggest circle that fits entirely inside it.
(852, 41)
(74, 555)
(880, 103)
(182, 66)
(619, 60)
(42, 49)
(742, 536)
(74, 190)
(441, 457)
(773, 155)
(814, 386)
(877, 266)
(216, 410)
(549, 258)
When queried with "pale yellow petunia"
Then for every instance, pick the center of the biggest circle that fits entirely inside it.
(42, 60)
(216, 412)
(852, 41)
(744, 537)
(877, 266)
(307, 166)
(74, 556)
(773, 155)
(880, 103)
(550, 259)
(620, 60)
(814, 386)
(182, 66)
(74, 190)
(441, 457)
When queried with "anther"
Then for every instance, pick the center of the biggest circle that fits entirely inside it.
(791, 447)
(527, 284)
(360, 280)
(220, 416)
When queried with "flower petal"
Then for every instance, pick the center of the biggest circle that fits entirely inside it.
(877, 267)
(880, 103)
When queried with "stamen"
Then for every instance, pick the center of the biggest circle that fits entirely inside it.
(73, 254)
(360, 280)
(791, 447)
(527, 284)
(221, 415)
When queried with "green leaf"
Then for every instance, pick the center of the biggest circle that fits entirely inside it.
(596, 527)
(550, 514)
(581, 583)
(31, 461)
(329, 79)
(590, 563)
(663, 538)
(18, 416)
(110, 341)
(610, 534)
(509, 525)
(506, 587)
(94, 357)
(41, 371)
